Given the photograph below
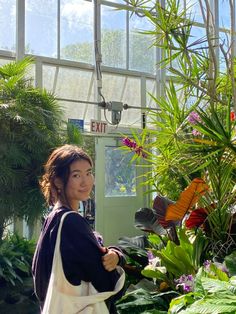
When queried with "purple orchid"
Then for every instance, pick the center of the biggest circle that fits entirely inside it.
(186, 282)
(150, 256)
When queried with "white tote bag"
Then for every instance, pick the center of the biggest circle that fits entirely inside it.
(65, 298)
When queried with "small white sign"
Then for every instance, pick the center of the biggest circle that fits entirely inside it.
(98, 127)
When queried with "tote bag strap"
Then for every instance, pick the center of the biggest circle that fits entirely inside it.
(58, 241)
(57, 263)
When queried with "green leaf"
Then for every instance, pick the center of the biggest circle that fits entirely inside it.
(157, 274)
(230, 262)
(181, 302)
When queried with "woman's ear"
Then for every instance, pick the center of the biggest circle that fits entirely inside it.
(58, 184)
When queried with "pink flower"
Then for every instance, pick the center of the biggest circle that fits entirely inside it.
(194, 118)
(196, 132)
(129, 143)
(134, 146)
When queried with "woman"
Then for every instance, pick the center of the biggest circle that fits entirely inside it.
(68, 179)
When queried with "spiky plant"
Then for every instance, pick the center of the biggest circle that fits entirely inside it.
(193, 133)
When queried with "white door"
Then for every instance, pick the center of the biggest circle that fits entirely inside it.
(118, 191)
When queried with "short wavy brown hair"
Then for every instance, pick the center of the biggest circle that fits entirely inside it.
(58, 166)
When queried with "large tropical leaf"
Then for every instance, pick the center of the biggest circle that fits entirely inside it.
(135, 248)
(230, 262)
(187, 200)
(141, 301)
(160, 206)
(147, 220)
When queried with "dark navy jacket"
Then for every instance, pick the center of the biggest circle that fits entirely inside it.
(81, 255)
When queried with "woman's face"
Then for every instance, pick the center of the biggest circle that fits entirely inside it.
(80, 183)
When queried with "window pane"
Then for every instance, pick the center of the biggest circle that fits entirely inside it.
(7, 24)
(113, 37)
(30, 74)
(41, 27)
(120, 174)
(117, 1)
(151, 88)
(224, 14)
(126, 90)
(225, 42)
(194, 11)
(198, 33)
(142, 55)
(79, 111)
(5, 61)
(72, 84)
(77, 30)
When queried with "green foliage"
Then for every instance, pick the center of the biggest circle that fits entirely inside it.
(214, 293)
(15, 258)
(179, 150)
(74, 136)
(143, 301)
(31, 125)
(155, 241)
(230, 262)
(177, 304)
(136, 257)
(200, 249)
(177, 259)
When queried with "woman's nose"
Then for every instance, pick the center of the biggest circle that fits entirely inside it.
(85, 180)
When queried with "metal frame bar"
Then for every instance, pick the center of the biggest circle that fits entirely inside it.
(20, 29)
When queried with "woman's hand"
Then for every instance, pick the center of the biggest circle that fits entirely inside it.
(110, 260)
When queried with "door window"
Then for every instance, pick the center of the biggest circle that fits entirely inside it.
(120, 173)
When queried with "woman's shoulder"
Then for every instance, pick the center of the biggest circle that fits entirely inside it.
(53, 218)
(73, 220)
(56, 213)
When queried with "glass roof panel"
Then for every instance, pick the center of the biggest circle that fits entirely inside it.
(41, 27)
(224, 14)
(151, 88)
(194, 9)
(79, 111)
(69, 83)
(74, 84)
(4, 61)
(8, 25)
(225, 42)
(113, 37)
(126, 90)
(142, 53)
(77, 31)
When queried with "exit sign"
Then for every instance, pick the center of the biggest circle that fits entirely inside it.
(98, 127)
